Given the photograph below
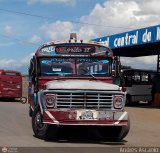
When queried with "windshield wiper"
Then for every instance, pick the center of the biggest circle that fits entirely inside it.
(88, 72)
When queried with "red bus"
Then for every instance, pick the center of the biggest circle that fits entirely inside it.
(11, 85)
(70, 84)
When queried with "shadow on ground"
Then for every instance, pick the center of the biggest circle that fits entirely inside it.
(9, 100)
(83, 136)
(143, 105)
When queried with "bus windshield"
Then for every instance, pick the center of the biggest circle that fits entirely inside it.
(82, 66)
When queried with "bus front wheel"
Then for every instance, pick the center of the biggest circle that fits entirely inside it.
(41, 130)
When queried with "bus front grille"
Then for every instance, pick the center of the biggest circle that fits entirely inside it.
(89, 100)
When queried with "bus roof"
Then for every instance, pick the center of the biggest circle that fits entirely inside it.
(139, 70)
(73, 41)
(9, 71)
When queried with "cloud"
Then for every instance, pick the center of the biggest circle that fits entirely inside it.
(26, 60)
(111, 17)
(51, 1)
(8, 30)
(5, 63)
(10, 63)
(148, 7)
(117, 16)
(58, 30)
(35, 39)
(145, 62)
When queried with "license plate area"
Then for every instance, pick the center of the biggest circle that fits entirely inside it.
(94, 115)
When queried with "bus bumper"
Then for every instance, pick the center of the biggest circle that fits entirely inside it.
(86, 118)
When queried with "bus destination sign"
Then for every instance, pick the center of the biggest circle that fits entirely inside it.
(74, 49)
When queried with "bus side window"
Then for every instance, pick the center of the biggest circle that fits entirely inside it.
(136, 78)
(144, 78)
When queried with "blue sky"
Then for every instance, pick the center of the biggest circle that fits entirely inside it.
(26, 24)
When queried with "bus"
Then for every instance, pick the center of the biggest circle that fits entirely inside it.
(11, 85)
(71, 85)
(138, 84)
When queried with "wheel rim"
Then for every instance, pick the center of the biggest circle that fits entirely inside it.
(23, 100)
(39, 122)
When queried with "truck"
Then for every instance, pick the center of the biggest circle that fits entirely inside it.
(71, 85)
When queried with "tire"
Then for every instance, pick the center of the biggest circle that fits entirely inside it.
(23, 100)
(41, 130)
(115, 133)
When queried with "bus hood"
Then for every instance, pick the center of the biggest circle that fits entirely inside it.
(81, 84)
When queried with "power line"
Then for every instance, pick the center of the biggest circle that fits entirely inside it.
(75, 22)
(22, 13)
(18, 40)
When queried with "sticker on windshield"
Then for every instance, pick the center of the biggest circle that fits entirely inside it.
(56, 69)
(48, 49)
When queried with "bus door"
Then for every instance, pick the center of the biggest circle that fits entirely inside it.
(11, 84)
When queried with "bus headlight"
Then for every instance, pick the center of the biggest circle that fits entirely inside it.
(50, 100)
(118, 101)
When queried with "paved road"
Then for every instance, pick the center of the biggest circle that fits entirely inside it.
(15, 130)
